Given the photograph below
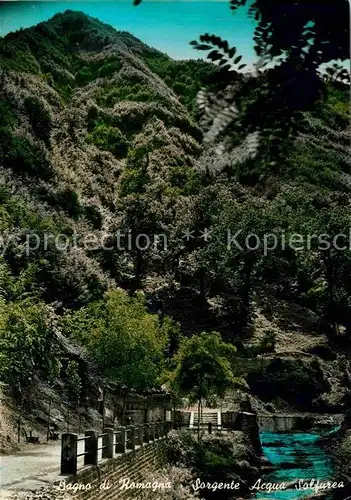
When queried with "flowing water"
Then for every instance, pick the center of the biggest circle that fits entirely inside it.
(295, 456)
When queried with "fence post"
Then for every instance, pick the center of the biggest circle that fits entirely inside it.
(121, 444)
(132, 437)
(107, 441)
(146, 433)
(141, 435)
(152, 431)
(210, 427)
(69, 453)
(91, 448)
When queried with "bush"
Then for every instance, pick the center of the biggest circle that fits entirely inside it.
(39, 118)
(108, 69)
(92, 118)
(24, 157)
(215, 459)
(7, 115)
(84, 76)
(125, 341)
(267, 344)
(93, 214)
(133, 182)
(110, 139)
(68, 200)
(186, 179)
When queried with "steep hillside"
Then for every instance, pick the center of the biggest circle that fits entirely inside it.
(88, 131)
(95, 149)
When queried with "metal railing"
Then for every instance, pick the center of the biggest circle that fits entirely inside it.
(113, 442)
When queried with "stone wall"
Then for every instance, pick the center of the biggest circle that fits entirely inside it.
(138, 409)
(278, 423)
(182, 417)
(106, 479)
(246, 421)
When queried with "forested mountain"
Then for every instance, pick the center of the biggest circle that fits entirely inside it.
(96, 138)
(101, 136)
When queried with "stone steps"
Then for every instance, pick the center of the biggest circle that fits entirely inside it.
(207, 417)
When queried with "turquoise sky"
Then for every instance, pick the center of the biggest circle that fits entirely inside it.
(166, 25)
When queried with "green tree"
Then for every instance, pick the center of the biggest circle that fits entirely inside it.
(294, 25)
(298, 38)
(236, 249)
(127, 343)
(110, 139)
(203, 369)
(27, 344)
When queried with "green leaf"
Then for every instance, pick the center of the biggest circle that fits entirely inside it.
(203, 47)
(231, 52)
(215, 55)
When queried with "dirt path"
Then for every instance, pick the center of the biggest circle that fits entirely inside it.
(31, 468)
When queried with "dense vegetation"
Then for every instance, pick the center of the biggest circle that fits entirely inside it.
(100, 134)
(215, 459)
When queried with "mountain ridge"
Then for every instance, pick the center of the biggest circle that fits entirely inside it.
(83, 133)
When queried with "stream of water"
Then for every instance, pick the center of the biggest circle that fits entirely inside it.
(294, 456)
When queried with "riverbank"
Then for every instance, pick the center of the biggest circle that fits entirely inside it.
(341, 454)
(228, 459)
